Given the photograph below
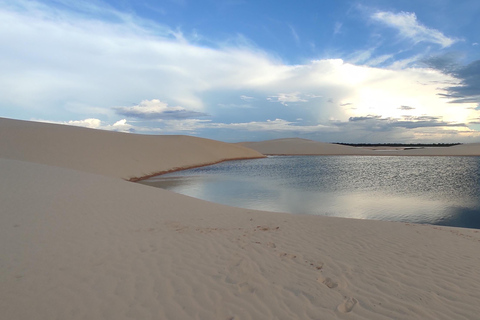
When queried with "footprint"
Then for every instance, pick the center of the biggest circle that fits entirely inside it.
(245, 287)
(271, 245)
(287, 255)
(347, 305)
(329, 283)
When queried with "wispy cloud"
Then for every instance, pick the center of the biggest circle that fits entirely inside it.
(247, 98)
(409, 27)
(337, 29)
(294, 34)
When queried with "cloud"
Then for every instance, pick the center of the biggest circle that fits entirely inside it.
(447, 62)
(294, 34)
(283, 98)
(369, 117)
(85, 65)
(408, 122)
(247, 98)
(406, 108)
(277, 125)
(337, 29)
(93, 123)
(156, 109)
(407, 25)
(468, 91)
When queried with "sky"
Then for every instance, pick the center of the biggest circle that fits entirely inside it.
(377, 71)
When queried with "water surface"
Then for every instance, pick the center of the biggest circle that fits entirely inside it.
(434, 190)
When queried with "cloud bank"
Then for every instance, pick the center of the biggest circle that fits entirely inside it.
(90, 69)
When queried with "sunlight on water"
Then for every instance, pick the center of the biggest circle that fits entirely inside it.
(435, 190)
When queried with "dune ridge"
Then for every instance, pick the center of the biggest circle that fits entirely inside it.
(116, 154)
(79, 243)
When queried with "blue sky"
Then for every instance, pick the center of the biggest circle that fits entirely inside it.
(232, 70)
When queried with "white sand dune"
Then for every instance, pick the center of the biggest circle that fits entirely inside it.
(110, 153)
(81, 244)
(296, 146)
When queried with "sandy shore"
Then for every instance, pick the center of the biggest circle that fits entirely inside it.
(80, 242)
(296, 146)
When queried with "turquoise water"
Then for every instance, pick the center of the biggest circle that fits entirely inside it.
(433, 190)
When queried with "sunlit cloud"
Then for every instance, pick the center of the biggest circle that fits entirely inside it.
(92, 123)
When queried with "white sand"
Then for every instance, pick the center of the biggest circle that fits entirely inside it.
(110, 153)
(80, 245)
(296, 146)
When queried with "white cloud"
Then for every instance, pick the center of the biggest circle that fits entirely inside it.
(247, 98)
(87, 123)
(92, 123)
(408, 26)
(81, 68)
(156, 109)
(283, 98)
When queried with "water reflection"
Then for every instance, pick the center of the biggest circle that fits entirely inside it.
(436, 190)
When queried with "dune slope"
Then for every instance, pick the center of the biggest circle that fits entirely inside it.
(109, 153)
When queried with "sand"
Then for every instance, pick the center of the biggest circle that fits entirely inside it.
(296, 146)
(79, 243)
(114, 154)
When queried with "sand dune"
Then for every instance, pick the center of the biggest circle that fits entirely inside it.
(296, 146)
(77, 244)
(110, 153)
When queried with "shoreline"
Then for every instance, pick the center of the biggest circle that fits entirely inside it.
(136, 179)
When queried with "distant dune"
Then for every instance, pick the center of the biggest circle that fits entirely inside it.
(80, 242)
(296, 146)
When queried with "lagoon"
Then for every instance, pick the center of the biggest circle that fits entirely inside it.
(432, 190)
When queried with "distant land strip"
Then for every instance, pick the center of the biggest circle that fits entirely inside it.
(406, 145)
